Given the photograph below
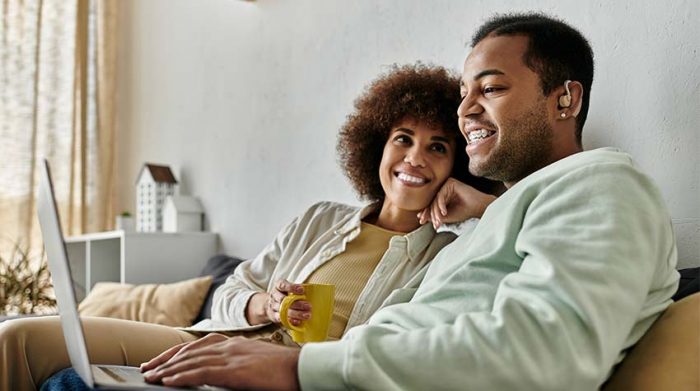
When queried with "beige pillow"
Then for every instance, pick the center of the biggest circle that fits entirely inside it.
(174, 304)
(668, 356)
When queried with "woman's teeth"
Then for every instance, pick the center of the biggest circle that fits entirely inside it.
(411, 179)
(479, 134)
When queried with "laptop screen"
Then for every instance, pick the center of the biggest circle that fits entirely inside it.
(61, 276)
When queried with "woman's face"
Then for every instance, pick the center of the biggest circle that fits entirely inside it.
(416, 161)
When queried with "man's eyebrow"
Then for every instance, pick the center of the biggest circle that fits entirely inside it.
(488, 72)
(481, 74)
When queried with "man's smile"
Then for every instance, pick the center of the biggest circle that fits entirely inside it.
(477, 135)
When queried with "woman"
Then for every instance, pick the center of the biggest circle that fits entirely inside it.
(397, 148)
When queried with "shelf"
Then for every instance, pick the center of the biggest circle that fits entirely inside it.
(137, 257)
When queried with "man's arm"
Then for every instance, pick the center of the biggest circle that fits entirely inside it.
(591, 245)
(235, 363)
(597, 268)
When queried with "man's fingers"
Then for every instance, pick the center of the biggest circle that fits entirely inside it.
(221, 376)
(207, 340)
(195, 377)
(203, 359)
(175, 353)
(161, 358)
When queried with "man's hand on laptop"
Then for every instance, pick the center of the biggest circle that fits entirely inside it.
(182, 348)
(236, 363)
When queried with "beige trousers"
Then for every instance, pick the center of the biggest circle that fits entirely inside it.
(33, 349)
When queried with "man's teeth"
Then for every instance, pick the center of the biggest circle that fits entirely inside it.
(479, 134)
(411, 179)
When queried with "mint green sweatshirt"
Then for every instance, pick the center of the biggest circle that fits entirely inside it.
(565, 271)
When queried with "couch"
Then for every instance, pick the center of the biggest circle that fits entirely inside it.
(666, 358)
(218, 267)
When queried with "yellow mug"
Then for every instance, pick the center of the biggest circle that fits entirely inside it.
(321, 297)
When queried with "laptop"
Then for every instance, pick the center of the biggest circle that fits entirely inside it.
(95, 376)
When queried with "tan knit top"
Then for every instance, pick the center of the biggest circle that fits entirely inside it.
(350, 271)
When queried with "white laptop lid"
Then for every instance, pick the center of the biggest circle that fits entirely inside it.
(61, 276)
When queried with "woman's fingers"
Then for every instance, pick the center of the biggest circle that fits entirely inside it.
(277, 296)
(443, 197)
(435, 215)
(424, 215)
(298, 312)
(287, 287)
(298, 315)
(281, 289)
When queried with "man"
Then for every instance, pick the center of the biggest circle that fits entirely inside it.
(565, 271)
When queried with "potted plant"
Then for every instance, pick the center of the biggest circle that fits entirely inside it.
(125, 221)
(25, 284)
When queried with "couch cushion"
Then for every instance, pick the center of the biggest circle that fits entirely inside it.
(668, 356)
(219, 268)
(688, 283)
(174, 304)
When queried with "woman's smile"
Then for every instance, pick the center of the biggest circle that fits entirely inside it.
(411, 178)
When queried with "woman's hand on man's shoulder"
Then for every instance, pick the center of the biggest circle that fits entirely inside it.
(455, 202)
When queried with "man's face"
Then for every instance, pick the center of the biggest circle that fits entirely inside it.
(504, 115)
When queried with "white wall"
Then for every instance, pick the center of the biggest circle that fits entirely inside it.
(245, 98)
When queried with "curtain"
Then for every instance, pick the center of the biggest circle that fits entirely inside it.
(57, 94)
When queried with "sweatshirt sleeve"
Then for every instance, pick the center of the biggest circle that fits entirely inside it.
(595, 245)
(250, 277)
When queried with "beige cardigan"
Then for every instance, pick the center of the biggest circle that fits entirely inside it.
(310, 240)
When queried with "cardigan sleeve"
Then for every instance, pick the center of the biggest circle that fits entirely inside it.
(250, 277)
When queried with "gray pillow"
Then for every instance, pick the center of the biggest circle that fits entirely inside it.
(219, 267)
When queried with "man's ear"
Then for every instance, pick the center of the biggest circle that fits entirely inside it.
(569, 98)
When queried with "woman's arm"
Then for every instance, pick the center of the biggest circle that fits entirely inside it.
(252, 294)
(455, 202)
(247, 286)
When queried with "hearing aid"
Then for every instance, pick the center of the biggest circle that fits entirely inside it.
(565, 100)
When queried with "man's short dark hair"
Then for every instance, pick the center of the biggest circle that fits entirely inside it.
(556, 52)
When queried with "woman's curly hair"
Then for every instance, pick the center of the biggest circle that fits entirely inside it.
(427, 94)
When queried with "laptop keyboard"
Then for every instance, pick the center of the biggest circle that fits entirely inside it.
(113, 374)
(123, 374)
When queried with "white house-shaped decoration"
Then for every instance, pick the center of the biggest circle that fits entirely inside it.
(182, 214)
(153, 185)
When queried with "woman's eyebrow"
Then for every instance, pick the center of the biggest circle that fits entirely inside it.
(405, 130)
(440, 138)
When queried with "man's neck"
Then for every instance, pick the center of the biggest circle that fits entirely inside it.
(557, 155)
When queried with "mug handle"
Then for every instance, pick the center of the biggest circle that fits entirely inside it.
(284, 308)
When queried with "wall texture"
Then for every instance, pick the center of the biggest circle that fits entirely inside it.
(244, 99)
